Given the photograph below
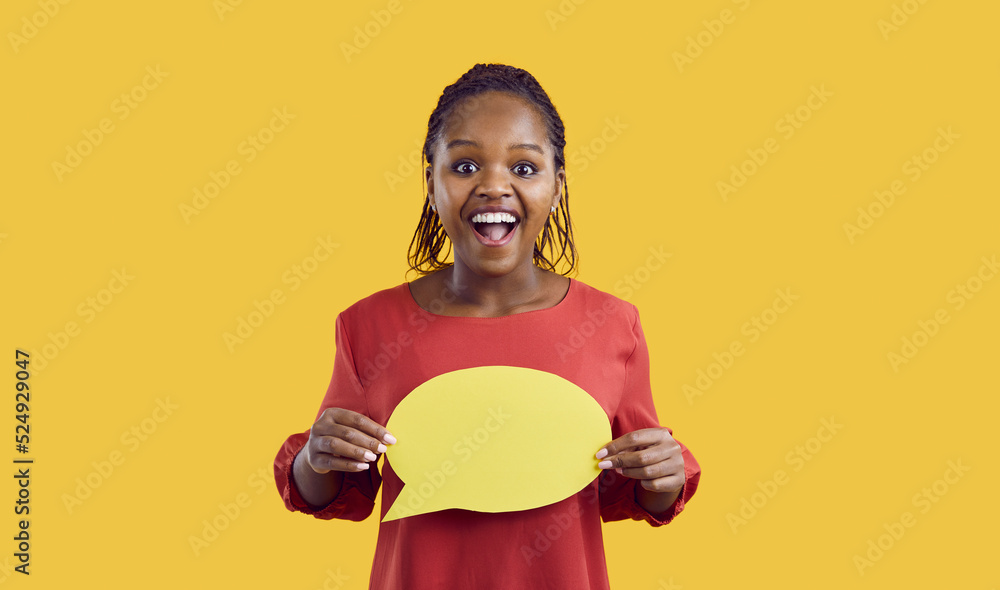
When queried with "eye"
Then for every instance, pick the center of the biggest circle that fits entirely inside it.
(465, 168)
(525, 169)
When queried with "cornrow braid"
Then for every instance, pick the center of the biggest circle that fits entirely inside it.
(430, 240)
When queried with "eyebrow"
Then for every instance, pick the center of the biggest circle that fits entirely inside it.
(517, 146)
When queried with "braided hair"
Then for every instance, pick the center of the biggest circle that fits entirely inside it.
(429, 239)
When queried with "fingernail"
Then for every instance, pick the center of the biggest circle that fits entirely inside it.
(605, 464)
(389, 438)
(381, 448)
(619, 470)
(602, 453)
(362, 466)
(369, 456)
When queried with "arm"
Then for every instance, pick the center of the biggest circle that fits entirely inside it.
(649, 475)
(316, 489)
(325, 471)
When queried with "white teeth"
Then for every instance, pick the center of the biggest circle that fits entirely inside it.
(502, 217)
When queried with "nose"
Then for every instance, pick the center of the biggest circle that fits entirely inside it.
(494, 183)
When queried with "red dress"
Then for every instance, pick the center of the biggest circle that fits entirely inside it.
(387, 345)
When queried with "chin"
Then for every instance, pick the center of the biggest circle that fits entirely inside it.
(492, 267)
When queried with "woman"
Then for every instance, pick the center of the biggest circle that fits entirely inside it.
(496, 194)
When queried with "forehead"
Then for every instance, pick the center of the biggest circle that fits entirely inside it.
(495, 114)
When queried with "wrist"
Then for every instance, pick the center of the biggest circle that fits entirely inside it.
(656, 503)
(316, 489)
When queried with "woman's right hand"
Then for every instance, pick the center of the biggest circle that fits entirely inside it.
(342, 440)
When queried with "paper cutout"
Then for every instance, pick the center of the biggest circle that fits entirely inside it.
(494, 439)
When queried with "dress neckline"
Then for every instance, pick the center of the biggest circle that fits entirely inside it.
(570, 292)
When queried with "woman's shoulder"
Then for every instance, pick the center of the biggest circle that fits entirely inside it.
(378, 302)
(592, 297)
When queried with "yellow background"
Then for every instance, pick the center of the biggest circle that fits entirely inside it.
(653, 186)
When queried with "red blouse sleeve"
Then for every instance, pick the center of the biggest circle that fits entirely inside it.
(356, 498)
(635, 412)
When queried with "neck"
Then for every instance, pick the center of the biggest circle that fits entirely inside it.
(494, 295)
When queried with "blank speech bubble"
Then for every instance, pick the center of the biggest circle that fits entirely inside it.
(494, 439)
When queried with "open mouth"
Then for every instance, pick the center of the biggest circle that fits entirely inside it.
(494, 229)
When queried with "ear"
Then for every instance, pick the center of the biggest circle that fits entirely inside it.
(429, 179)
(560, 180)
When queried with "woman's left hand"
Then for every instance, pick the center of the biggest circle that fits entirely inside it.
(650, 455)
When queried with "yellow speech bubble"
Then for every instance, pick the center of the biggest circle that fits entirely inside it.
(494, 439)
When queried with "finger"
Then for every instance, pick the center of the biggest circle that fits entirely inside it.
(332, 419)
(346, 442)
(358, 439)
(341, 447)
(662, 469)
(366, 425)
(663, 484)
(649, 456)
(632, 440)
(332, 423)
(325, 462)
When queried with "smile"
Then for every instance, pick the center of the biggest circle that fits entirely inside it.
(494, 229)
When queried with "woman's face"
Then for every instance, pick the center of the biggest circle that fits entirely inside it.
(493, 181)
